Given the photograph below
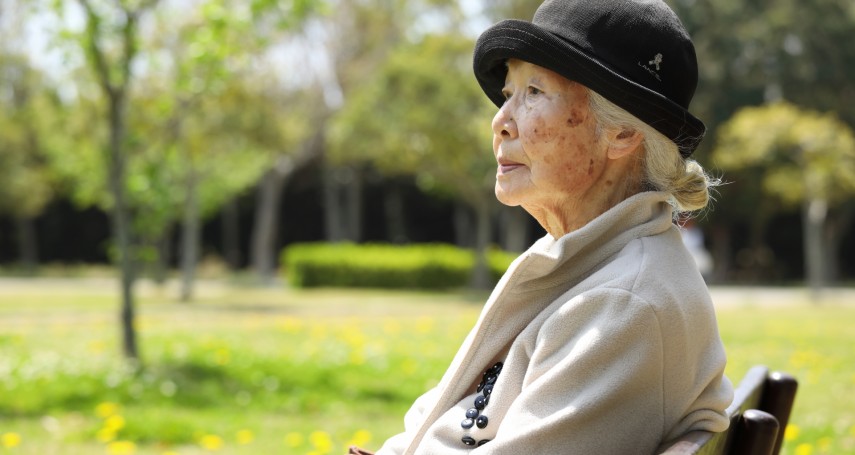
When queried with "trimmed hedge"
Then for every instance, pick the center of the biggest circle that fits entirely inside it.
(414, 266)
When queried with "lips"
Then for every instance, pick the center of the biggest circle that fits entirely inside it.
(507, 166)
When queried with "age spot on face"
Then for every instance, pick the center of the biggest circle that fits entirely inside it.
(576, 118)
(541, 132)
(591, 167)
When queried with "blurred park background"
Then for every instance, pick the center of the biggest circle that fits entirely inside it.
(265, 226)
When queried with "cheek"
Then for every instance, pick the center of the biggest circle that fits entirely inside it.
(541, 131)
(570, 160)
(577, 117)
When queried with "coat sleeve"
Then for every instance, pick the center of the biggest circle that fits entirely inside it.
(594, 382)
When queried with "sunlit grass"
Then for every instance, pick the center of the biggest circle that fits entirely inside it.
(814, 343)
(278, 371)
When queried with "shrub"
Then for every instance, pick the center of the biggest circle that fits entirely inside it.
(415, 266)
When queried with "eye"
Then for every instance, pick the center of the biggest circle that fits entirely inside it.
(506, 94)
(533, 91)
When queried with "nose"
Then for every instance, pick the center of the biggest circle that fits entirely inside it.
(504, 125)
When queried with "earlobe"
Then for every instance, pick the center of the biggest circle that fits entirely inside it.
(624, 142)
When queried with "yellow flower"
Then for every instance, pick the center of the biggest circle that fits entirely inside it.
(318, 333)
(321, 441)
(222, 356)
(824, 444)
(244, 437)
(791, 432)
(804, 449)
(211, 442)
(293, 439)
(424, 325)
(354, 338)
(360, 438)
(409, 367)
(291, 324)
(170, 452)
(10, 440)
(96, 346)
(121, 448)
(391, 327)
(106, 409)
(114, 422)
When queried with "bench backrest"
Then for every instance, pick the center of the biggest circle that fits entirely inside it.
(758, 416)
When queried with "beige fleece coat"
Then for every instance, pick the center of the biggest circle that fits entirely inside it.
(609, 342)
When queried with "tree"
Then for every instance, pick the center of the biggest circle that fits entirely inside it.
(423, 114)
(360, 34)
(186, 165)
(751, 52)
(207, 54)
(110, 42)
(512, 9)
(28, 185)
(803, 157)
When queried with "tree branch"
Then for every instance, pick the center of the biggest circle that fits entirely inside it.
(93, 33)
(129, 51)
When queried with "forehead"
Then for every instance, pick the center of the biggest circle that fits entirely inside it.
(522, 69)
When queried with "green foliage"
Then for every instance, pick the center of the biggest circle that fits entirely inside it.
(421, 113)
(801, 153)
(749, 52)
(25, 113)
(415, 266)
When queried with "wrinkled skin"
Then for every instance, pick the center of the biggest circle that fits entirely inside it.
(551, 159)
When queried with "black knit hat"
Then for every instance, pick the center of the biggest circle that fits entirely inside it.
(635, 53)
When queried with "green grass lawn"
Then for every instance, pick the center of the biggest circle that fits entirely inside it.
(277, 371)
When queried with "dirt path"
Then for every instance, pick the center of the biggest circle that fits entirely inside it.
(723, 296)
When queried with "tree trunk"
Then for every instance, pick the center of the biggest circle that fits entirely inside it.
(514, 226)
(121, 222)
(464, 237)
(353, 209)
(813, 220)
(190, 233)
(481, 273)
(721, 253)
(835, 229)
(264, 249)
(28, 247)
(231, 234)
(333, 205)
(164, 255)
(393, 209)
(263, 252)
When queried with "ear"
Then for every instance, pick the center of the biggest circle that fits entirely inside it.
(624, 142)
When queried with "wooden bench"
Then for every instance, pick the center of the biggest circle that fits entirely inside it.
(758, 416)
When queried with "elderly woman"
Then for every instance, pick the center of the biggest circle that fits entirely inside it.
(601, 338)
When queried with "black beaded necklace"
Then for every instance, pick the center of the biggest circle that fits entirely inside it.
(474, 416)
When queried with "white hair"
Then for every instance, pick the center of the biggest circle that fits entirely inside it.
(664, 169)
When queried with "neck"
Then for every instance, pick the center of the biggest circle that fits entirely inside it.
(565, 215)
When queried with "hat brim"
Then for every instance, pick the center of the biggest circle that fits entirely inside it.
(526, 41)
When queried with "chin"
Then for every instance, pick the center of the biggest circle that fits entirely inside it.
(506, 197)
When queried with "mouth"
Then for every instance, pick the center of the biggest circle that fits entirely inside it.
(507, 166)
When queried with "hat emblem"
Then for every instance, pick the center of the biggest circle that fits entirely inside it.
(657, 59)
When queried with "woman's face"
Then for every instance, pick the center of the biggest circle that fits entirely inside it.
(545, 141)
